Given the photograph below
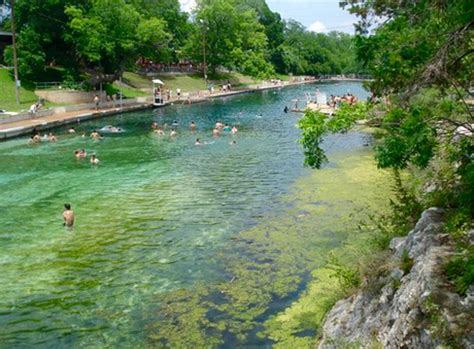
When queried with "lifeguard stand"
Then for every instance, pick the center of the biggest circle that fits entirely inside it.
(158, 92)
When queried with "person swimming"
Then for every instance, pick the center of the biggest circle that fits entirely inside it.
(96, 135)
(72, 130)
(216, 132)
(227, 128)
(233, 143)
(68, 216)
(175, 123)
(198, 142)
(192, 126)
(173, 133)
(219, 125)
(286, 109)
(52, 137)
(111, 129)
(94, 160)
(159, 132)
(154, 125)
(234, 130)
(80, 153)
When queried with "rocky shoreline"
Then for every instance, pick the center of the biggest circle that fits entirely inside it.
(414, 308)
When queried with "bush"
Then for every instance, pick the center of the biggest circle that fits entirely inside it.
(460, 271)
(348, 277)
(406, 263)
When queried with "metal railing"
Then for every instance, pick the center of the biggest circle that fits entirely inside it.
(56, 85)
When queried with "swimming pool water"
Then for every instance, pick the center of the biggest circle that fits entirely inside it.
(155, 217)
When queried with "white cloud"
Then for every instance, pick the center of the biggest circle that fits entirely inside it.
(317, 27)
(187, 5)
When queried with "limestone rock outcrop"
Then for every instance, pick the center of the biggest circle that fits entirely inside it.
(412, 309)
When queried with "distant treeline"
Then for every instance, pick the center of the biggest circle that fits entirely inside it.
(102, 38)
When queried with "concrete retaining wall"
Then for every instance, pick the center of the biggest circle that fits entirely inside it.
(72, 97)
(74, 108)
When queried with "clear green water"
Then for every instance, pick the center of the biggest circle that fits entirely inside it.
(167, 249)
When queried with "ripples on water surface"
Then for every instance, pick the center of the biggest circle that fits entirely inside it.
(152, 218)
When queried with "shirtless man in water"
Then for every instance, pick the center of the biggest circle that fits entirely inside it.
(68, 216)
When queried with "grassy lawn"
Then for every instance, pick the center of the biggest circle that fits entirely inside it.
(187, 83)
(139, 86)
(7, 93)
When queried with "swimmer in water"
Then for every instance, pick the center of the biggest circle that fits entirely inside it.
(192, 126)
(173, 133)
(94, 160)
(68, 216)
(234, 130)
(219, 125)
(216, 132)
(83, 135)
(154, 125)
(233, 143)
(175, 123)
(80, 153)
(52, 137)
(37, 138)
(96, 135)
(198, 142)
(72, 130)
(226, 128)
(159, 132)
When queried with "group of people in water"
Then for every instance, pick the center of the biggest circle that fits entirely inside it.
(37, 138)
(216, 131)
(157, 129)
(335, 100)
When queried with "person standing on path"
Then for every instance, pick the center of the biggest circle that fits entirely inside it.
(178, 93)
(96, 101)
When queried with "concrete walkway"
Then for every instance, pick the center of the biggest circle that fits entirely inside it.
(26, 126)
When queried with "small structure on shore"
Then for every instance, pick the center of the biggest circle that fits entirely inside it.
(158, 92)
(320, 104)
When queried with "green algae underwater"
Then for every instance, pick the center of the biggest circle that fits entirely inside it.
(180, 246)
(278, 285)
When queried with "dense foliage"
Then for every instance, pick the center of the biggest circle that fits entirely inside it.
(101, 38)
(421, 80)
(421, 58)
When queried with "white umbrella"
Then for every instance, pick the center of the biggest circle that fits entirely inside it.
(158, 81)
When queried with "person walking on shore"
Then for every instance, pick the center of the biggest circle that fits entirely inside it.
(96, 101)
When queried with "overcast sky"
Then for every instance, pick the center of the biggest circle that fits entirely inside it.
(316, 15)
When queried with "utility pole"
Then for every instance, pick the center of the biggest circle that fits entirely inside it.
(204, 47)
(15, 58)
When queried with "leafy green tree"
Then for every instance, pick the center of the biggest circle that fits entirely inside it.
(110, 34)
(421, 59)
(177, 23)
(274, 27)
(233, 37)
